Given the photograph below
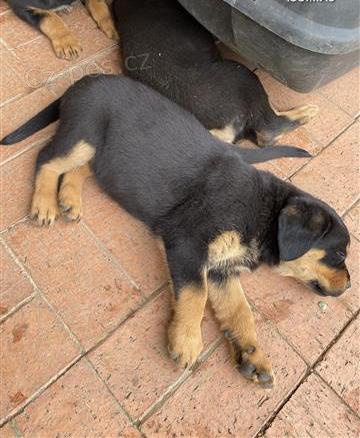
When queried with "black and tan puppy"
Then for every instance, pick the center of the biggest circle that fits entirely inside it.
(216, 214)
(166, 48)
(42, 15)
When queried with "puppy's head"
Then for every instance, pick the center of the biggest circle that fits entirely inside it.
(313, 243)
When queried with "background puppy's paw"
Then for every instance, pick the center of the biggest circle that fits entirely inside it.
(44, 211)
(66, 47)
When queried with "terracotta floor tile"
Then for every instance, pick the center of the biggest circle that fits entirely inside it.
(16, 187)
(34, 348)
(91, 294)
(131, 243)
(333, 175)
(325, 126)
(61, 83)
(12, 85)
(15, 32)
(7, 431)
(314, 411)
(90, 37)
(345, 92)
(78, 404)
(352, 220)
(14, 287)
(15, 113)
(216, 401)
(3, 6)
(295, 309)
(340, 366)
(110, 62)
(301, 139)
(135, 362)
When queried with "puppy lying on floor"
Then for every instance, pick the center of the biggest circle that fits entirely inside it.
(216, 214)
(42, 15)
(166, 48)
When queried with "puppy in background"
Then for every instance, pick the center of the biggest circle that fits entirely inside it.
(42, 15)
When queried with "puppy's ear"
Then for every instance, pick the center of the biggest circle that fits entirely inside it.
(301, 224)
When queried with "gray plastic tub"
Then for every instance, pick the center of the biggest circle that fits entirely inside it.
(304, 44)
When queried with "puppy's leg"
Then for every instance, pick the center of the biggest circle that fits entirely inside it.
(65, 44)
(185, 339)
(70, 192)
(272, 124)
(189, 300)
(51, 163)
(236, 319)
(100, 12)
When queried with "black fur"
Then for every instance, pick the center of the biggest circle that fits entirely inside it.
(166, 48)
(22, 8)
(51, 113)
(159, 163)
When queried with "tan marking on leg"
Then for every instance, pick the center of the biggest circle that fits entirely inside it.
(226, 134)
(236, 320)
(70, 192)
(65, 44)
(44, 207)
(100, 12)
(184, 334)
(302, 114)
(80, 154)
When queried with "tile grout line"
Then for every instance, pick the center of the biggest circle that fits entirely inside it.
(100, 379)
(105, 250)
(42, 295)
(308, 372)
(17, 307)
(337, 395)
(83, 352)
(342, 131)
(19, 409)
(172, 388)
(23, 151)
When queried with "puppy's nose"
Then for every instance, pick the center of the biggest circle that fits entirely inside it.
(348, 285)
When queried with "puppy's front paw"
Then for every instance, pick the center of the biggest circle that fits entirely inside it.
(253, 365)
(66, 46)
(70, 203)
(185, 344)
(44, 209)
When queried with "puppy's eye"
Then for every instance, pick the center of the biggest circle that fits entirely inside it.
(340, 256)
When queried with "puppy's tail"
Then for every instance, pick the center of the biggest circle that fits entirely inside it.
(48, 115)
(253, 156)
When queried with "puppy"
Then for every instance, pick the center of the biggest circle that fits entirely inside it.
(216, 214)
(166, 48)
(42, 15)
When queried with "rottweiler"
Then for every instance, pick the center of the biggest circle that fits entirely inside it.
(165, 47)
(216, 214)
(42, 15)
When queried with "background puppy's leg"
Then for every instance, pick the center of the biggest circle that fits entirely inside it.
(65, 44)
(236, 319)
(70, 192)
(271, 124)
(190, 296)
(100, 12)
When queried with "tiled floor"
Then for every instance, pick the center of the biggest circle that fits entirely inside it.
(84, 307)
